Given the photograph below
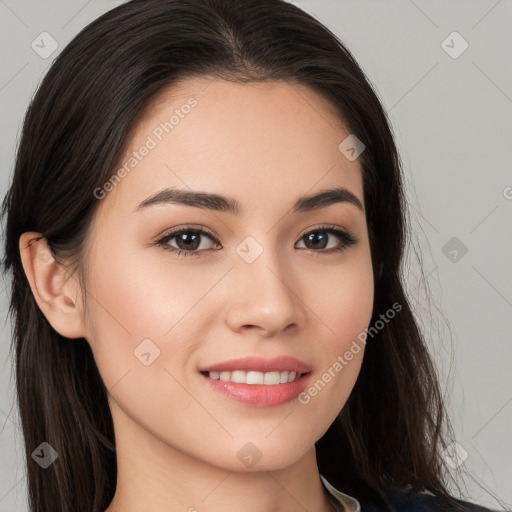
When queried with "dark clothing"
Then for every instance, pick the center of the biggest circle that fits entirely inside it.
(398, 500)
(404, 500)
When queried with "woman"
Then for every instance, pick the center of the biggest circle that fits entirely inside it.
(205, 232)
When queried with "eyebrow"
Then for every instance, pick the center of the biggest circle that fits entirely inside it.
(219, 203)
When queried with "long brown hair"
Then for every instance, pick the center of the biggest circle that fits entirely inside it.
(392, 429)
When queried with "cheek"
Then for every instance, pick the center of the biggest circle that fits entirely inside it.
(140, 295)
(130, 303)
(344, 308)
(343, 302)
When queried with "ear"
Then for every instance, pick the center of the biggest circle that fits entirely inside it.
(54, 290)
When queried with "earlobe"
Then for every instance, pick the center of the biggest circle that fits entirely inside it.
(53, 288)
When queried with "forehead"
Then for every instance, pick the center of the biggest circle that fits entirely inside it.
(272, 140)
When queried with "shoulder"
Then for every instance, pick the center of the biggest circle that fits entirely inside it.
(406, 500)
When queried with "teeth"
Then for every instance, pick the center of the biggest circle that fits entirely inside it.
(272, 378)
(237, 377)
(254, 377)
(269, 378)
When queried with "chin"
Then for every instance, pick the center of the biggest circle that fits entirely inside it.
(261, 454)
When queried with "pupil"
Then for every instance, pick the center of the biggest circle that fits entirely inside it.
(188, 246)
(321, 237)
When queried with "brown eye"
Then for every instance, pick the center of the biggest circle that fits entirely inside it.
(319, 240)
(189, 242)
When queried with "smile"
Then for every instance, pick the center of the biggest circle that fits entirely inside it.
(253, 377)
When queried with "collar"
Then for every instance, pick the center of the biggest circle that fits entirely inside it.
(349, 503)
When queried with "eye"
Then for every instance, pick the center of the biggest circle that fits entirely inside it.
(189, 241)
(320, 237)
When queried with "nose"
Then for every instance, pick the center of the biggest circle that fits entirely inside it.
(264, 298)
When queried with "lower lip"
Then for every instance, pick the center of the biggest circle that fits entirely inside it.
(259, 395)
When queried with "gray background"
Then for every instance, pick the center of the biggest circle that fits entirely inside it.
(452, 118)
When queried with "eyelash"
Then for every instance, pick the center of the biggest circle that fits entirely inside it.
(346, 238)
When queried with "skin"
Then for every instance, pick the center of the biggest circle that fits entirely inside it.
(265, 145)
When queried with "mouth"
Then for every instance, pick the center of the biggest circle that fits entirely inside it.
(257, 381)
(254, 378)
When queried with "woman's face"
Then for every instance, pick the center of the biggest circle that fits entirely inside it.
(266, 281)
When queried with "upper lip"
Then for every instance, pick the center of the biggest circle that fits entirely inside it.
(260, 364)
